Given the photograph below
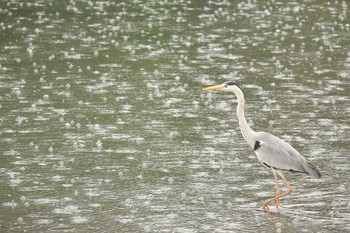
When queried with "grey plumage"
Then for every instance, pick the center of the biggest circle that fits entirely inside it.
(279, 155)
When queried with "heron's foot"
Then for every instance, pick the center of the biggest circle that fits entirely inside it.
(265, 205)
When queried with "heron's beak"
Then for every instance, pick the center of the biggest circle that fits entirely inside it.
(214, 88)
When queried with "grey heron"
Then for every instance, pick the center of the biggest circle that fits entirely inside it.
(272, 152)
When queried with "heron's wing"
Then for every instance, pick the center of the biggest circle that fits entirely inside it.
(276, 153)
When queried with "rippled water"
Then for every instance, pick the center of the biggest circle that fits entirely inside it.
(104, 127)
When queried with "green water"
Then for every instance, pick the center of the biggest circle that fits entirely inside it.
(104, 127)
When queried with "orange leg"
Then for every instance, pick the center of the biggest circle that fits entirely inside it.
(265, 205)
(278, 191)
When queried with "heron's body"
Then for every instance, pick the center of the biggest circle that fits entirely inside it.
(275, 153)
(271, 151)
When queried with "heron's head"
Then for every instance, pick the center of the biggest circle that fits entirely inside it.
(229, 86)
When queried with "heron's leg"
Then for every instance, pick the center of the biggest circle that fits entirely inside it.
(278, 191)
(265, 205)
(287, 184)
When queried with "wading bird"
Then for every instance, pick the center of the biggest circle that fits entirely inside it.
(271, 151)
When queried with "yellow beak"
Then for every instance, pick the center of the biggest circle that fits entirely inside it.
(214, 88)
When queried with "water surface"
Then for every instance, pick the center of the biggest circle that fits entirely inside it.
(104, 127)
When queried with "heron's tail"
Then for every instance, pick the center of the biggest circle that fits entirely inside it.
(312, 170)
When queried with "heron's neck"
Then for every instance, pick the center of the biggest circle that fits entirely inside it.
(247, 132)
